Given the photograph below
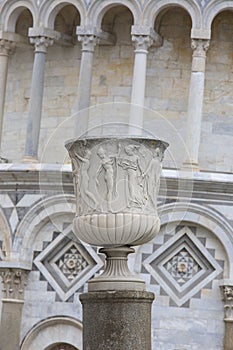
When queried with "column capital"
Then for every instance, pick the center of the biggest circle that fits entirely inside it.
(142, 42)
(143, 37)
(42, 38)
(227, 296)
(89, 37)
(14, 281)
(6, 47)
(200, 46)
(88, 41)
(41, 43)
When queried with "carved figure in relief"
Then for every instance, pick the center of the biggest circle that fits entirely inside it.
(109, 166)
(84, 178)
(130, 163)
(75, 172)
(152, 175)
(228, 292)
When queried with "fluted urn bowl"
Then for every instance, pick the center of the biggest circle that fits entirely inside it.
(116, 184)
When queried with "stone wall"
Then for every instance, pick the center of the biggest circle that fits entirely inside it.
(37, 202)
(168, 77)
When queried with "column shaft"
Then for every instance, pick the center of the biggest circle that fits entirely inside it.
(36, 98)
(195, 103)
(84, 85)
(142, 43)
(5, 47)
(35, 105)
(139, 78)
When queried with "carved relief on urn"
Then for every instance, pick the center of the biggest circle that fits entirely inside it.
(116, 185)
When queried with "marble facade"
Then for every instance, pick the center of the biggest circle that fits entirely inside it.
(58, 58)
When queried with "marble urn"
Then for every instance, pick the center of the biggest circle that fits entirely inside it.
(116, 182)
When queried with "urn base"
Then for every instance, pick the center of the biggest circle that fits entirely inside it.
(116, 275)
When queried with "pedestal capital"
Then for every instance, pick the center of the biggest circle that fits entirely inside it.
(6, 47)
(14, 281)
(41, 43)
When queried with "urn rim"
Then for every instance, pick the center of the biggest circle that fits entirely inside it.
(69, 143)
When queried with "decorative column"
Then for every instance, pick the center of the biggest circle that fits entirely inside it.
(88, 40)
(195, 103)
(116, 185)
(14, 282)
(227, 294)
(36, 97)
(6, 48)
(142, 37)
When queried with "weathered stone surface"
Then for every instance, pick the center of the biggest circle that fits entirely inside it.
(117, 320)
(228, 340)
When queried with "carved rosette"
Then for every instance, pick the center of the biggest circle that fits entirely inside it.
(227, 295)
(14, 281)
(116, 185)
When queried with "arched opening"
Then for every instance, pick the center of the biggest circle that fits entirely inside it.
(113, 64)
(174, 25)
(66, 21)
(62, 69)
(168, 78)
(118, 21)
(61, 346)
(174, 22)
(24, 22)
(217, 113)
(18, 20)
(55, 333)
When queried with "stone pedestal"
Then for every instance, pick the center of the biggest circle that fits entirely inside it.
(116, 183)
(117, 320)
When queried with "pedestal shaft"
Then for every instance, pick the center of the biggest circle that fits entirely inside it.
(117, 320)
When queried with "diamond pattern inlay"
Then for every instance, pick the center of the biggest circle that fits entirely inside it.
(182, 266)
(72, 263)
(66, 264)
